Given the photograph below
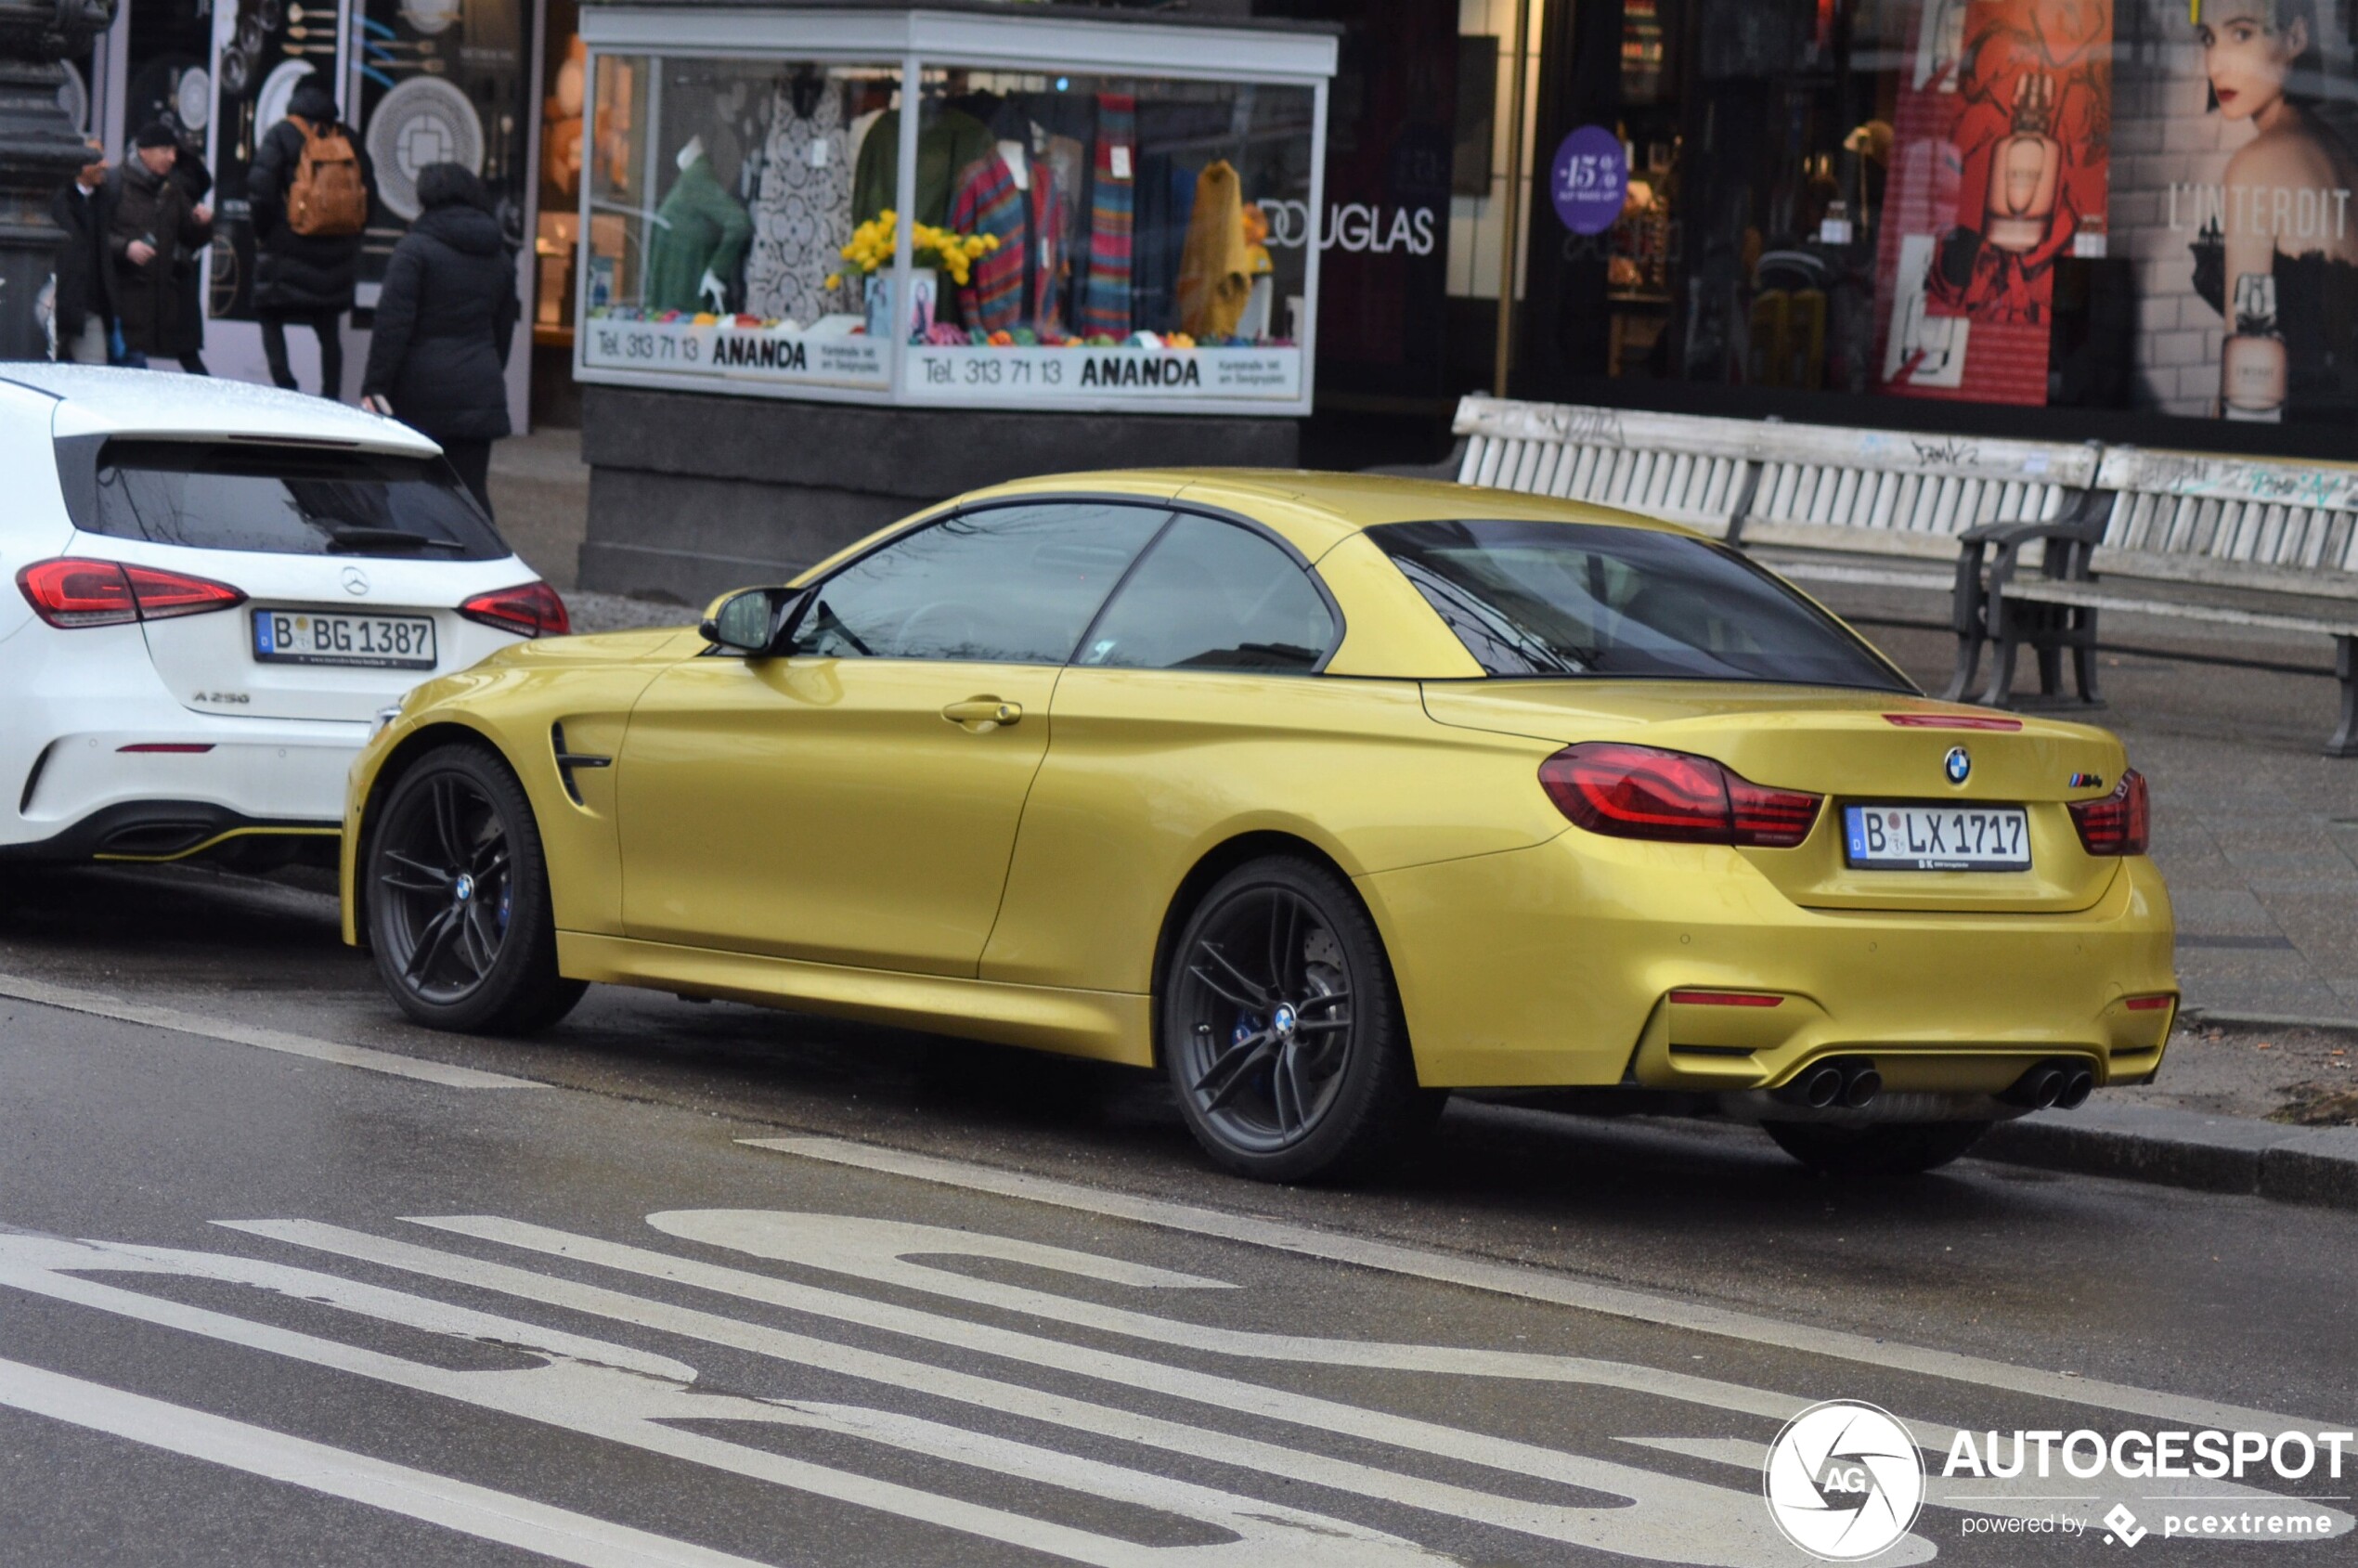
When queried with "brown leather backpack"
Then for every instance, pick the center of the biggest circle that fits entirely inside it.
(328, 197)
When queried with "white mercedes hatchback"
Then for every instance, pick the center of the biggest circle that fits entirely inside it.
(218, 588)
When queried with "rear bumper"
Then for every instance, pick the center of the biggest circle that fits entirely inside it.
(74, 793)
(153, 832)
(1554, 965)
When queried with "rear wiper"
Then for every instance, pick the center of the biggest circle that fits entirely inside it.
(353, 539)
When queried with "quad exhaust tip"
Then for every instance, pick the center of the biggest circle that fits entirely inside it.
(2052, 1086)
(1851, 1085)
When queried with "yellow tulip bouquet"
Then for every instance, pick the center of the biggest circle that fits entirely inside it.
(871, 245)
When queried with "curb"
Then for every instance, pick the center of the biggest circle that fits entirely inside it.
(2230, 1154)
(2196, 1015)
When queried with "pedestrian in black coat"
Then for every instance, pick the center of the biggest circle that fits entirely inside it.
(150, 223)
(86, 278)
(438, 353)
(305, 278)
(186, 343)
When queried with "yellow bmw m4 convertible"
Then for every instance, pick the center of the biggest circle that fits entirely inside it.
(1328, 794)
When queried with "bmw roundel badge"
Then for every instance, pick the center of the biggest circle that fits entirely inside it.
(1958, 765)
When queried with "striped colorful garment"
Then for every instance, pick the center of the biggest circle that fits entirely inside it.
(1104, 299)
(1020, 284)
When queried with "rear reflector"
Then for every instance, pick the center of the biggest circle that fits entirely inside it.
(175, 748)
(1950, 721)
(1726, 998)
(529, 609)
(70, 592)
(2146, 1003)
(1642, 792)
(2120, 823)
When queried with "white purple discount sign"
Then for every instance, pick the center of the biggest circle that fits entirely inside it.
(1589, 180)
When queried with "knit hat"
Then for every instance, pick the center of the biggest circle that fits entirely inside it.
(155, 133)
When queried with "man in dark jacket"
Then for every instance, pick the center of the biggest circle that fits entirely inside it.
(307, 279)
(85, 280)
(150, 223)
(445, 318)
(188, 171)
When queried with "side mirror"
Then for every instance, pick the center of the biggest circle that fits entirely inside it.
(751, 620)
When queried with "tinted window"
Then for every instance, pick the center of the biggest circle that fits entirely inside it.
(285, 500)
(1574, 599)
(1007, 584)
(1213, 596)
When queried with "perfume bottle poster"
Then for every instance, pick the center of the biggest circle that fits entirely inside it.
(2001, 166)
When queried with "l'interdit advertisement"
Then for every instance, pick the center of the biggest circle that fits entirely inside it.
(2196, 154)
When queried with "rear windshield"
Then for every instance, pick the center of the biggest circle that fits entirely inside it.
(1558, 599)
(282, 500)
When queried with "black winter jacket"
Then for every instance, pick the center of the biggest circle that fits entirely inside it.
(300, 274)
(445, 318)
(153, 207)
(188, 272)
(86, 278)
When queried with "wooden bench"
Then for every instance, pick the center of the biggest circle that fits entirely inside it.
(2230, 541)
(1823, 504)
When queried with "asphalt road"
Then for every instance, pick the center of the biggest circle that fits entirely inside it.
(283, 1280)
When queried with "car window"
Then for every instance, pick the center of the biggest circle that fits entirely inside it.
(1566, 598)
(1005, 585)
(281, 501)
(1211, 595)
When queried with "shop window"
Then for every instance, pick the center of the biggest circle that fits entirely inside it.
(1109, 238)
(2138, 205)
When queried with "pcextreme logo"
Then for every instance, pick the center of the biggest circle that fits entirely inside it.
(1843, 1481)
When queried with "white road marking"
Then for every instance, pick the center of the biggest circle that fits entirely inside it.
(603, 1391)
(1531, 1284)
(1672, 1518)
(455, 1505)
(97, 1004)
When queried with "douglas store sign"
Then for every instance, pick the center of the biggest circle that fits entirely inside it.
(1362, 228)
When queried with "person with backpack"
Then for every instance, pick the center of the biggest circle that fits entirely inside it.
(438, 353)
(311, 186)
(150, 223)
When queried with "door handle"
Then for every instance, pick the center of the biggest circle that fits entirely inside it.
(981, 715)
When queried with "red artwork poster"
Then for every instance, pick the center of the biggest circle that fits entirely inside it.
(2001, 154)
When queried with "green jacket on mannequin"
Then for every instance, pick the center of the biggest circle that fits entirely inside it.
(699, 230)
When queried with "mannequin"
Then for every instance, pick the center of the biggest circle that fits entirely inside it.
(710, 291)
(699, 241)
(1018, 163)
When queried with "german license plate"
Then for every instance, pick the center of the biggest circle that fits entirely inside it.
(1937, 837)
(334, 638)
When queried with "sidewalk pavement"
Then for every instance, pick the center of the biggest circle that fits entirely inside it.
(2257, 833)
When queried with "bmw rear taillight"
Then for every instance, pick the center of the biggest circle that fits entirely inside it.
(72, 592)
(529, 609)
(2120, 823)
(1642, 792)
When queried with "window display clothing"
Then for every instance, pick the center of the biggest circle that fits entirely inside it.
(953, 141)
(1214, 271)
(801, 209)
(1103, 291)
(1022, 283)
(699, 228)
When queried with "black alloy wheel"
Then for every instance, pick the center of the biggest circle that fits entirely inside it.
(458, 900)
(1282, 1031)
(1878, 1150)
